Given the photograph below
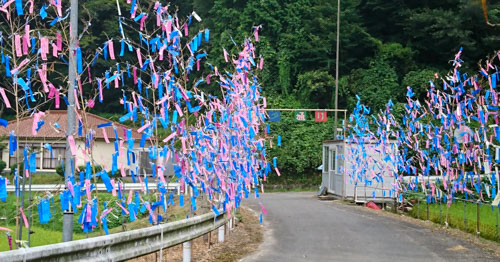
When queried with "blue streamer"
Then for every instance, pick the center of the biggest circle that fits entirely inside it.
(79, 64)
(19, 7)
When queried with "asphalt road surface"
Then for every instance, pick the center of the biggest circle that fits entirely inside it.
(299, 227)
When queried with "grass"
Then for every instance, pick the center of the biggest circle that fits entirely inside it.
(40, 179)
(437, 213)
(40, 237)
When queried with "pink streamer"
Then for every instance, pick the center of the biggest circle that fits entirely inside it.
(16, 70)
(71, 189)
(277, 171)
(17, 42)
(4, 97)
(111, 50)
(143, 127)
(59, 41)
(25, 45)
(139, 56)
(113, 192)
(226, 55)
(25, 220)
(5, 229)
(72, 145)
(122, 170)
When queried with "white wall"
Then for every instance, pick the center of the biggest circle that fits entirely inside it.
(346, 175)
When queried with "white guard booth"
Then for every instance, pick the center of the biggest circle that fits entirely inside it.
(359, 173)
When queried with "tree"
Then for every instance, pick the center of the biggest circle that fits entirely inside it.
(419, 82)
(315, 88)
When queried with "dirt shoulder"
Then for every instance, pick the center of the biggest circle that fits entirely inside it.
(244, 239)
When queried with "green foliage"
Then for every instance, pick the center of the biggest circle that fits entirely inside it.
(95, 168)
(14, 166)
(314, 89)
(60, 170)
(375, 85)
(2, 144)
(419, 81)
(2, 166)
(298, 40)
(300, 151)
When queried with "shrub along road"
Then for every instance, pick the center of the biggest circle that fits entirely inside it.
(301, 228)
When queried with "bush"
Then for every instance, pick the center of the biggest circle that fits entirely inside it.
(14, 166)
(2, 166)
(60, 171)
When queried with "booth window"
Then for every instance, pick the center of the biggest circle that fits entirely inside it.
(325, 159)
(333, 156)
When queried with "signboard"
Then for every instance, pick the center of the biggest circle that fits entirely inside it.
(320, 116)
(274, 116)
(300, 115)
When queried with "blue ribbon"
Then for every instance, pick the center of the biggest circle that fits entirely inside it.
(79, 60)
(19, 7)
(43, 13)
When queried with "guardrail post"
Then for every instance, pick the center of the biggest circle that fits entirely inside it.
(418, 208)
(395, 209)
(465, 216)
(186, 251)
(497, 224)
(231, 224)
(478, 226)
(427, 209)
(440, 213)
(221, 234)
(209, 239)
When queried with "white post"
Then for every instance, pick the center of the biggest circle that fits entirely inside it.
(70, 111)
(221, 234)
(337, 71)
(186, 251)
(231, 223)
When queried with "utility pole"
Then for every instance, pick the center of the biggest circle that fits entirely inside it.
(337, 70)
(73, 35)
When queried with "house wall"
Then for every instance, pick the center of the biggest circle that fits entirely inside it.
(41, 153)
(102, 154)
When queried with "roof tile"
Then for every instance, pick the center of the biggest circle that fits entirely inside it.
(48, 130)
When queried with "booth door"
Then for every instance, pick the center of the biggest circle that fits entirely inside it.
(332, 168)
(325, 178)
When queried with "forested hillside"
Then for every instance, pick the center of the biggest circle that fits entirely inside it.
(385, 45)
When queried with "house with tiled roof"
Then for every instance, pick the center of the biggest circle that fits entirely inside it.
(53, 132)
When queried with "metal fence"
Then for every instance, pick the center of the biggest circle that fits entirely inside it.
(469, 215)
(124, 245)
(100, 187)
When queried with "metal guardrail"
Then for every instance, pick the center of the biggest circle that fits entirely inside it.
(100, 187)
(124, 245)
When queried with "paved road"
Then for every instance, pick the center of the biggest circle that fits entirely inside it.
(301, 228)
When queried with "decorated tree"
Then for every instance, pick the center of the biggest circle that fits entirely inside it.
(159, 63)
